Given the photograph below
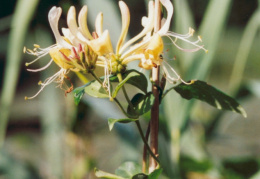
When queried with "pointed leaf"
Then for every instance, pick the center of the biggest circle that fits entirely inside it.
(100, 173)
(95, 89)
(138, 80)
(155, 174)
(141, 104)
(202, 91)
(128, 170)
(140, 176)
(132, 77)
(112, 121)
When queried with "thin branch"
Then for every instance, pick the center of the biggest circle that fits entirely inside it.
(145, 142)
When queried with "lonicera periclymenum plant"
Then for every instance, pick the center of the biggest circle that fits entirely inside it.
(78, 50)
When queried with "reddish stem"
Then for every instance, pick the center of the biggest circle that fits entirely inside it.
(154, 123)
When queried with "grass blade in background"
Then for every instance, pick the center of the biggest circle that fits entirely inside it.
(183, 19)
(176, 109)
(243, 51)
(211, 28)
(19, 26)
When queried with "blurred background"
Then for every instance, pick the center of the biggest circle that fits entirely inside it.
(51, 137)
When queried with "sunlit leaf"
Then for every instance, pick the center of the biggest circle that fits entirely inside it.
(95, 89)
(128, 170)
(243, 52)
(142, 103)
(202, 91)
(102, 174)
(112, 121)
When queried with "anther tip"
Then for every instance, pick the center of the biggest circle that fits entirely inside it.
(40, 82)
(206, 51)
(27, 64)
(36, 45)
(200, 38)
(191, 31)
(25, 98)
(24, 49)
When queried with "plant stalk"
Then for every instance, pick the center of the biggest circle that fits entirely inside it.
(154, 123)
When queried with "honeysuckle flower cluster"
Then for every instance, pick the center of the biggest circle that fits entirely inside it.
(79, 50)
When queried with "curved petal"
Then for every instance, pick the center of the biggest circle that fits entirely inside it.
(99, 24)
(125, 24)
(102, 45)
(59, 56)
(169, 7)
(83, 26)
(54, 16)
(72, 24)
(149, 27)
(155, 47)
(72, 39)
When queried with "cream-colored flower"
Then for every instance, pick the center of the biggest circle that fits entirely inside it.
(77, 50)
(71, 52)
(150, 49)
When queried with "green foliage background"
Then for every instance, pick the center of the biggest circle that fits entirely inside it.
(50, 137)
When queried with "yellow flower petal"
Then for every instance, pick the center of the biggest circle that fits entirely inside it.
(155, 47)
(83, 26)
(73, 26)
(59, 56)
(125, 24)
(99, 24)
(102, 45)
(149, 26)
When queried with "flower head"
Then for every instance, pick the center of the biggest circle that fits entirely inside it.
(70, 52)
(150, 48)
(80, 51)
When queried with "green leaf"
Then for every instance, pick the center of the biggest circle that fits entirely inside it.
(155, 174)
(128, 170)
(100, 173)
(202, 91)
(140, 176)
(132, 77)
(137, 79)
(142, 103)
(78, 93)
(95, 89)
(112, 121)
(189, 164)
